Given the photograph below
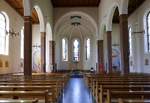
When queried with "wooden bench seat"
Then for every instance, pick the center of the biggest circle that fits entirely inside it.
(25, 94)
(51, 90)
(121, 95)
(18, 101)
(19, 86)
(129, 101)
(100, 85)
(30, 83)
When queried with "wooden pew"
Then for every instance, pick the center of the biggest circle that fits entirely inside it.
(102, 90)
(18, 101)
(100, 84)
(25, 94)
(15, 83)
(129, 95)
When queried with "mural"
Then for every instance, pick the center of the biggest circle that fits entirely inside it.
(116, 59)
(36, 59)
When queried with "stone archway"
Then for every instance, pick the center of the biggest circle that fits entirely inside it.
(88, 29)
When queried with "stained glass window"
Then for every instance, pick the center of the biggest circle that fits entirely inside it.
(22, 43)
(65, 49)
(130, 41)
(147, 34)
(3, 36)
(76, 50)
(87, 48)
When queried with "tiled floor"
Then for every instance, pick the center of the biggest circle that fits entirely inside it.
(76, 92)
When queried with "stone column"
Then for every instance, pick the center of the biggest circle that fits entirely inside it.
(52, 54)
(100, 56)
(124, 43)
(109, 50)
(43, 51)
(27, 46)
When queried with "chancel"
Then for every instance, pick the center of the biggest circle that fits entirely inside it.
(74, 51)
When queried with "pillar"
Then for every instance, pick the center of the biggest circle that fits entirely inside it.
(124, 43)
(52, 54)
(43, 51)
(100, 56)
(27, 46)
(109, 50)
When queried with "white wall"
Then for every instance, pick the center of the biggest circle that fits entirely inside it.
(116, 34)
(83, 64)
(47, 10)
(16, 22)
(82, 34)
(136, 23)
(36, 48)
(59, 12)
(115, 40)
(36, 35)
(104, 11)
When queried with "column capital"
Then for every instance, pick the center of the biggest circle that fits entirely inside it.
(27, 18)
(43, 34)
(123, 18)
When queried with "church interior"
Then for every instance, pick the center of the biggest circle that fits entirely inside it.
(74, 51)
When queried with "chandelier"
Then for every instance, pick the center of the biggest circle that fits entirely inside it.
(12, 33)
(75, 20)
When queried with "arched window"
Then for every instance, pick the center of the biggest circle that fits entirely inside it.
(147, 34)
(22, 43)
(64, 49)
(76, 50)
(87, 49)
(130, 41)
(4, 38)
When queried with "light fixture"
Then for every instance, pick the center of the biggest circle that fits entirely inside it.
(115, 45)
(75, 20)
(12, 33)
(36, 46)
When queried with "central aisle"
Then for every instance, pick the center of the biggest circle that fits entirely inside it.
(76, 92)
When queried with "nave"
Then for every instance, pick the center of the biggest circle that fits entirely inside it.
(74, 51)
(76, 91)
(78, 87)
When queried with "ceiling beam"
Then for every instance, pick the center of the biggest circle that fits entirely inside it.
(8, 2)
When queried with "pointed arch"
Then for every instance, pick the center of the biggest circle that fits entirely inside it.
(110, 16)
(41, 18)
(4, 37)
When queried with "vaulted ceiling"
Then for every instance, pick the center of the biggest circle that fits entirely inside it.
(18, 6)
